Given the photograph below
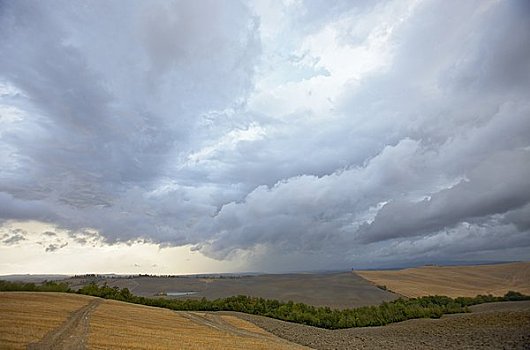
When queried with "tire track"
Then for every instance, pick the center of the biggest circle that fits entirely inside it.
(72, 334)
(217, 322)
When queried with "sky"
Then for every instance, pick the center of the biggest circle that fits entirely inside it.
(268, 135)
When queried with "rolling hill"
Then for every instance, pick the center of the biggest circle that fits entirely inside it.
(454, 281)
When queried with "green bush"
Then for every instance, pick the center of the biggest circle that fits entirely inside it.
(388, 312)
(46, 286)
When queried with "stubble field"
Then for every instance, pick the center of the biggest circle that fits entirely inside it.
(454, 281)
(68, 321)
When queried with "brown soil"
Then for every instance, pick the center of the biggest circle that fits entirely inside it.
(454, 281)
(72, 334)
(503, 325)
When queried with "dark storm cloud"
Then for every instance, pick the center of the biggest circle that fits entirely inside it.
(133, 119)
(119, 87)
(112, 94)
(496, 186)
(425, 134)
(520, 218)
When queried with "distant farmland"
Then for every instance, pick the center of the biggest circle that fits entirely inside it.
(454, 281)
(336, 290)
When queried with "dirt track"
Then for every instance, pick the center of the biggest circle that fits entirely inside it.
(72, 334)
(216, 321)
(490, 326)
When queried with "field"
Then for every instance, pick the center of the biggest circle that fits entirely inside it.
(41, 320)
(28, 317)
(336, 290)
(454, 281)
(492, 326)
(66, 321)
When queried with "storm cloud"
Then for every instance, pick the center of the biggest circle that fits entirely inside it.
(290, 134)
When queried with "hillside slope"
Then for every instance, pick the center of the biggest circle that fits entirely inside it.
(454, 281)
(336, 290)
(491, 326)
(68, 321)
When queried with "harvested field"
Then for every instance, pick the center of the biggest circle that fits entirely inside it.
(140, 327)
(454, 281)
(336, 290)
(28, 317)
(503, 325)
(67, 321)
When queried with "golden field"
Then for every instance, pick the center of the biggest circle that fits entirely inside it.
(27, 318)
(454, 281)
(120, 325)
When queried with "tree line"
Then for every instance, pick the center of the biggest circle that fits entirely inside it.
(324, 317)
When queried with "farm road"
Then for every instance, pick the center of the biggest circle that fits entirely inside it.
(72, 334)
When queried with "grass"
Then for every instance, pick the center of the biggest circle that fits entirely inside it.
(26, 317)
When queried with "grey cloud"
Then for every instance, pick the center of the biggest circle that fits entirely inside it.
(96, 133)
(54, 247)
(81, 241)
(102, 124)
(485, 240)
(456, 137)
(519, 217)
(310, 213)
(19, 209)
(495, 187)
(13, 237)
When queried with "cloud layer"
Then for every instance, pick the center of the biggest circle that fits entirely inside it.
(291, 134)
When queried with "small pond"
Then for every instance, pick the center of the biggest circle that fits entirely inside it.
(179, 294)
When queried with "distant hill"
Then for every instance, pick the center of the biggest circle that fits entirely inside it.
(454, 281)
(336, 290)
(32, 278)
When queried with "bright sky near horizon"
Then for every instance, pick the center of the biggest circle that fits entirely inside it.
(222, 136)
